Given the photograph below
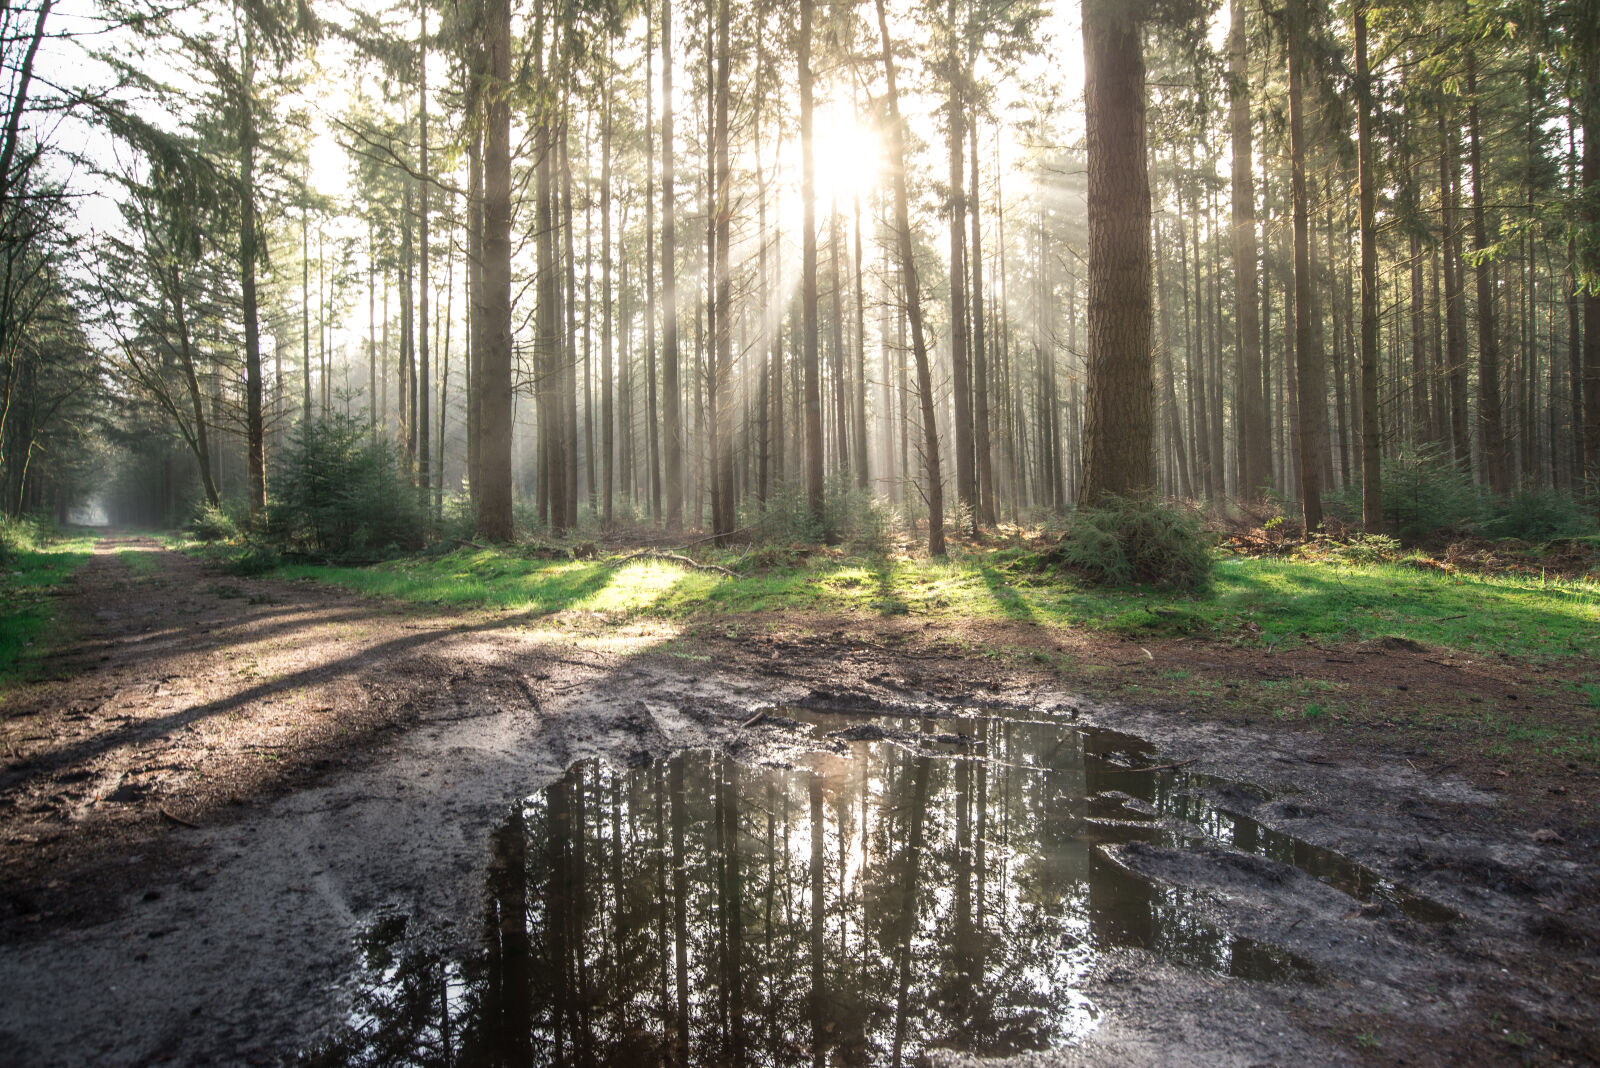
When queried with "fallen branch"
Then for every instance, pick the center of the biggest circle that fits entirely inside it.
(179, 820)
(657, 554)
(753, 720)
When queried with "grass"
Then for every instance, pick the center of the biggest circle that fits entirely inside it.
(1256, 602)
(30, 573)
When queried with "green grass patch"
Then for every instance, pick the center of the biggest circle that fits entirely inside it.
(29, 576)
(1267, 603)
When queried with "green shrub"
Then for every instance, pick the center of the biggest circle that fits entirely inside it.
(211, 523)
(18, 536)
(1535, 515)
(1136, 542)
(785, 517)
(1424, 494)
(341, 495)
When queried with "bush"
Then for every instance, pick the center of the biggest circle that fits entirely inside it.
(211, 523)
(1424, 494)
(1535, 515)
(1136, 542)
(339, 494)
(23, 534)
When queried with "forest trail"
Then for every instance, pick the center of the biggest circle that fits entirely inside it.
(229, 780)
(184, 691)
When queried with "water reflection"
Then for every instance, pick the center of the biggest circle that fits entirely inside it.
(939, 889)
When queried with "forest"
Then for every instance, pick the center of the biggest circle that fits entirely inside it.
(603, 267)
(879, 532)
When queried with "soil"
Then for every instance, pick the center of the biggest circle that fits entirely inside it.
(225, 778)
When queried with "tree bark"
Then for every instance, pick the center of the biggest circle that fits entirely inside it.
(1253, 441)
(1119, 457)
(494, 497)
(808, 275)
(1371, 442)
(1490, 417)
(669, 285)
(1311, 385)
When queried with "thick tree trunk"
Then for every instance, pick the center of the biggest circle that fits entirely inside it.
(1119, 457)
(494, 496)
(982, 442)
(1490, 418)
(1371, 442)
(1455, 312)
(608, 451)
(808, 275)
(1591, 297)
(1311, 380)
(960, 339)
(725, 519)
(1253, 442)
(255, 437)
(669, 285)
(424, 379)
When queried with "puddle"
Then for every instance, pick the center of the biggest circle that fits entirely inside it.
(937, 884)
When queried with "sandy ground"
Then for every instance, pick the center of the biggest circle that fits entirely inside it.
(227, 778)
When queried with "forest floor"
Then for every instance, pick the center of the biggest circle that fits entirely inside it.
(213, 781)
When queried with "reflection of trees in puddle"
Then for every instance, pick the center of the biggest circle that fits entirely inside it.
(859, 910)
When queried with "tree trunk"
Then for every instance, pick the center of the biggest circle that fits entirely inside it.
(1253, 442)
(1119, 456)
(608, 449)
(669, 285)
(1455, 314)
(424, 379)
(1490, 417)
(960, 367)
(908, 274)
(1311, 384)
(494, 304)
(808, 275)
(254, 436)
(1371, 441)
(725, 518)
(982, 442)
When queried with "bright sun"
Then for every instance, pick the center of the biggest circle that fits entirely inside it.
(848, 158)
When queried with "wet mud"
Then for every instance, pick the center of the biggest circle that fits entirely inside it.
(655, 857)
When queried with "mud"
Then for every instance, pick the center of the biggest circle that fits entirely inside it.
(131, 937)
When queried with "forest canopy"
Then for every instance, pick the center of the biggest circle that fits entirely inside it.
(362, 276)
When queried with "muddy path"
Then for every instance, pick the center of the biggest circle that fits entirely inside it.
(230, 779)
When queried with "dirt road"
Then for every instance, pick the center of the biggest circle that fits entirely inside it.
(229, 778)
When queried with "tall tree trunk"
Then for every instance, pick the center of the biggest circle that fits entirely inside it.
(607, 410)
(960, 340)
(913, 293)
(1455, 312)
(254, 436)
(1253, 442)
(305, 310)
(1311, 383)
(1591, 252)
(1490, 417)
(1371, 441)
(494, 303)
(669, 285)
(1118, 447)
(424, 379)
(982, 443)
(475, 283)
(808, 275)
(725, 518)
